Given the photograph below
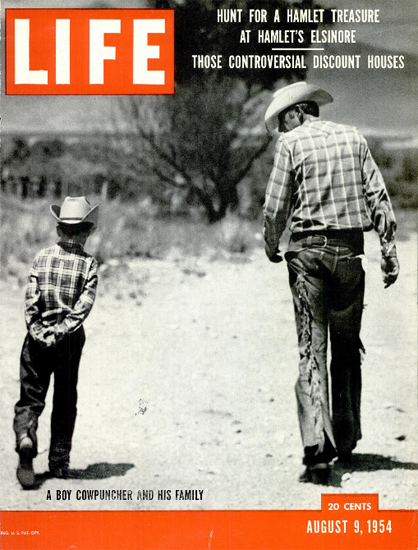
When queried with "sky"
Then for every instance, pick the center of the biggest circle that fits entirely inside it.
(398, 27)
(361, 99)
(397, 31)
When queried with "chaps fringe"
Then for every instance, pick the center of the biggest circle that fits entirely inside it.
(362, 352)
(312, 369)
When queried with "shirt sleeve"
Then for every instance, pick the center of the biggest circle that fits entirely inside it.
(32, 297)
(84, 304)
(378, 201)
(278, 197)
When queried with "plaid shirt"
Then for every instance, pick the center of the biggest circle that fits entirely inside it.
(324, 178)
(61, 288)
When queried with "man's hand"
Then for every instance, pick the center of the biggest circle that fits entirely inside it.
(273, 255)
(390, 269)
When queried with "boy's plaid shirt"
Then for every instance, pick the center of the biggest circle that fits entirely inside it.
(61, 288)
(325, 178)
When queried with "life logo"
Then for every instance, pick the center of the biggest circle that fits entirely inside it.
(89, 51)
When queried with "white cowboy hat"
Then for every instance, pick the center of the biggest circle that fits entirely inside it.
(290, 95)
(75, 210)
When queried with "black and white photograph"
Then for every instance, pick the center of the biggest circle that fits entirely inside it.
(208, 297)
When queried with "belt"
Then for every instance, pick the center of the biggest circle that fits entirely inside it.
(351, 238)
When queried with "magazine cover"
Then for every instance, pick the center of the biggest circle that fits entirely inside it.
(208, 275)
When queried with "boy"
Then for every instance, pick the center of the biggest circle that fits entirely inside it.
(59, 296)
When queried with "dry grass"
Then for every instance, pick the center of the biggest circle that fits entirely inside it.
(237, 235)
(132, 230)
(126, 230)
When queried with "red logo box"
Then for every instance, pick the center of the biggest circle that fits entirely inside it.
(89, 51)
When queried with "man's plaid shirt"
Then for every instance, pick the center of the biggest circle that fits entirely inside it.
(325, 178)
(61, 288)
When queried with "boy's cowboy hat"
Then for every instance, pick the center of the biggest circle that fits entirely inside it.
(75, 210)
(290, 95)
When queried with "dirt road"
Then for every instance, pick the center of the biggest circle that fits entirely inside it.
(187, 383)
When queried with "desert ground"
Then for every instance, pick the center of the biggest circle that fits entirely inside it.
(187, 383)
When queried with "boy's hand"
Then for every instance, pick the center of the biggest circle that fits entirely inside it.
(59, 333)
(50, 337)
(47, 338)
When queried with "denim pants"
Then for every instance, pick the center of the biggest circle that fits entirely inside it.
(36, 366)
(327, 284)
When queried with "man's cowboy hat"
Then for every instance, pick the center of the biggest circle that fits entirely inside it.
(290, 95)
(75, 210)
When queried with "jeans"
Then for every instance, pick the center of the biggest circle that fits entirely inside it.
(327, 284)
(36, 366)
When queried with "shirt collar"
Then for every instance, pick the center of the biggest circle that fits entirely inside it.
(312, 119)
(70, 245)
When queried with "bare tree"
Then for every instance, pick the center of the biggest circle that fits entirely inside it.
(200, 141)
(205, 138)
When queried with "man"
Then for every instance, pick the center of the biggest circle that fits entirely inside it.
(326, 183)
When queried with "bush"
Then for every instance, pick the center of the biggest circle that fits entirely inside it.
(125, 231)
(235, 234)
(402, 186)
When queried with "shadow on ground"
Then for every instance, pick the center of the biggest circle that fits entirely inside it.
(358, 463)
(101, 470)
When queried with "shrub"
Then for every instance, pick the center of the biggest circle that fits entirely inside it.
(236, 234)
